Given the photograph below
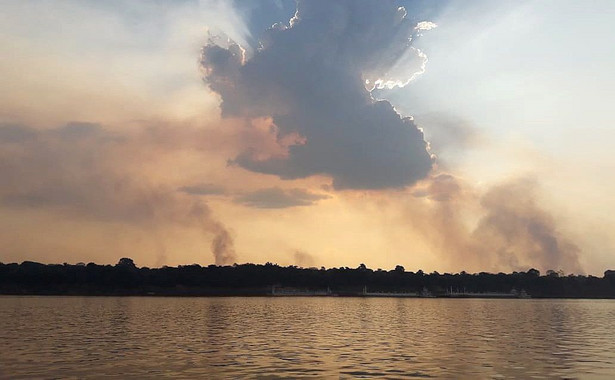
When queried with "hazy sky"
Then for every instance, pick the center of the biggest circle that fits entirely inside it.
(186, 132)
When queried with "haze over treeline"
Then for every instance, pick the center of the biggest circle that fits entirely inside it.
(125, 278)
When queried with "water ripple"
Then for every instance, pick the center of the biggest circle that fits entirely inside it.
(305, 337)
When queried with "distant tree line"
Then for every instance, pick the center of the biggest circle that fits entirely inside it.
(125, 278)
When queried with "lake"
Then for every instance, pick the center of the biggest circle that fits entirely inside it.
(328, 337)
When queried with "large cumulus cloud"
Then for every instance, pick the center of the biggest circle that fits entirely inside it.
(313, 77)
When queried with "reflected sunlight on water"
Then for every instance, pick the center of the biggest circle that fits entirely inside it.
(305, 337)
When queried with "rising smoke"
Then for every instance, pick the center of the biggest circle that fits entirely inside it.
(222, 245)
(83, 171)
(513, 231)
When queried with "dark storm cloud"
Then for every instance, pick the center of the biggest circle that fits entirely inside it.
(82, 170)
(310, 77)
(260, 15)
(279, 198)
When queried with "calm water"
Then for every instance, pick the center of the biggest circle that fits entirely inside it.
(305, 337)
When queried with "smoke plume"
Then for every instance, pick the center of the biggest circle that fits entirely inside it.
(520, 232)
(513, 231)
(81, 171)
(222, 245)
(303, 259)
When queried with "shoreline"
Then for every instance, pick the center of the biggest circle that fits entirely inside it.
(247, 295)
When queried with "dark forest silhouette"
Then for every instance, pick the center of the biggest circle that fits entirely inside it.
(125, 278)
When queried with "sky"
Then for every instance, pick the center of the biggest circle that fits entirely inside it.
(438, 135)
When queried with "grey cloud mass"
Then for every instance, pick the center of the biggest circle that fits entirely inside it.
(310, 77)
(279, 198)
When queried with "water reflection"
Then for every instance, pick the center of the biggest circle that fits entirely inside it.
(305, 337)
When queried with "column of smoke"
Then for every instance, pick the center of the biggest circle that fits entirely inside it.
(513, 231)
(222, 245)
(79, 171)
